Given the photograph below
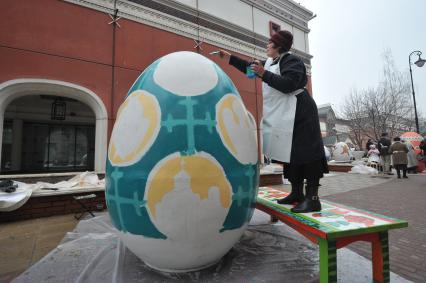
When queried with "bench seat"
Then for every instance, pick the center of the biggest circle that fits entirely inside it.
(334, 227)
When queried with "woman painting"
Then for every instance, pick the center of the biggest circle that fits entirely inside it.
(291, 130)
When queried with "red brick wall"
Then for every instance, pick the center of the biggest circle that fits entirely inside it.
(45, 206)
(271, 180)
(56, 40)
(337, 168)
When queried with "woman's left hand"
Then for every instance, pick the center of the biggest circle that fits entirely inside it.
(258, 68)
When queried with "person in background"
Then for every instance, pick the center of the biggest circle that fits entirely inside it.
(291, 130)
(373, 154)
(411, 156)
(422, 147)
(399, 155)
(367, 146)
(383, 145)
(422, 156)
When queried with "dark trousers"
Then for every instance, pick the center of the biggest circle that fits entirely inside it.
(309, 182)
(400, 167)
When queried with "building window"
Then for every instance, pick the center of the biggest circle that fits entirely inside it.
(58, 148)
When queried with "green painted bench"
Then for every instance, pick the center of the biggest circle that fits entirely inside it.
(334, 227)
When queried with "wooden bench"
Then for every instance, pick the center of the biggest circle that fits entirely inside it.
(334, 227)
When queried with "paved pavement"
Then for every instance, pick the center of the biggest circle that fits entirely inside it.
(399, 198)
(23, 243)
(403, 199)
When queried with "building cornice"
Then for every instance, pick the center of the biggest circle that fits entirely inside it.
(295, 8)
(106, 6)
(285, 10)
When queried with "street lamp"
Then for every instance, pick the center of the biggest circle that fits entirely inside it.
(419, 63)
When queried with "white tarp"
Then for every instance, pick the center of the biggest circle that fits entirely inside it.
(360, 168)
(12, 201)
(272, 168)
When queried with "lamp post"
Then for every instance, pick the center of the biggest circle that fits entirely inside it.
(420, 62)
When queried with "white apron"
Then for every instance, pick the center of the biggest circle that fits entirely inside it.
(279, 110)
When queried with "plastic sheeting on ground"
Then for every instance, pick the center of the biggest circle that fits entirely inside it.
(265, 253)
(13, 201)
(272, 168)
(360, 168)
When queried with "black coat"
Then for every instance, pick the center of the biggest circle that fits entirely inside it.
(384, 145)
(307, 145)
(422, 146)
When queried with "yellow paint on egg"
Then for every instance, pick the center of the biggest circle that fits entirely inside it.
(204, 174)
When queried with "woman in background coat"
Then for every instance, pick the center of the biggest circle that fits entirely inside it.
(399, 157)
(411, 156)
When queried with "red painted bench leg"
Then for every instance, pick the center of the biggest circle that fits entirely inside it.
(380, 251)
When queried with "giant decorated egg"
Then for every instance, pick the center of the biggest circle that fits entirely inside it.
(341, 152)
(182, 167)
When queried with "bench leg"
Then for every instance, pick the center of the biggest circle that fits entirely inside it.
(380, 251)
(85, 209)
(328, 261)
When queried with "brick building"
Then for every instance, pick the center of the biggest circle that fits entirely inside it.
(66, 66)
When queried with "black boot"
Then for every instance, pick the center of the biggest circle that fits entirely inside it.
(311, 202)
(404, 172)
(296, 195)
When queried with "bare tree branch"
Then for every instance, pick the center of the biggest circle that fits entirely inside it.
(385, 108)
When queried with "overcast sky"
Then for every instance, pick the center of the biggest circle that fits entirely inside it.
(349, 37)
